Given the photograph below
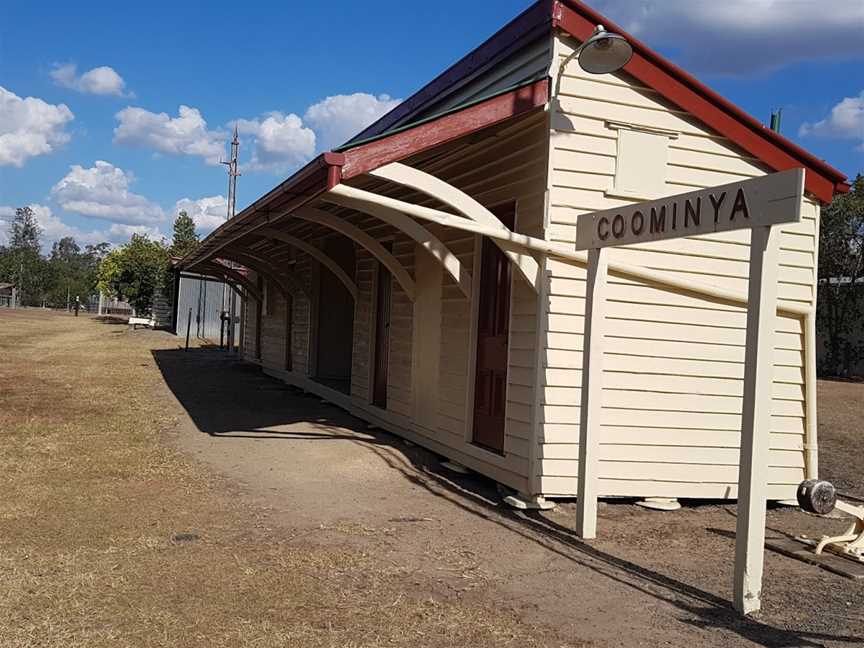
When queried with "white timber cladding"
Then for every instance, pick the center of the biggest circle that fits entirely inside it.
(673, 365)
(435, 408)
(250, 325)
(426, 360)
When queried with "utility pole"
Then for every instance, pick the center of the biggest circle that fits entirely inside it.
(233, 173)
(228, 296)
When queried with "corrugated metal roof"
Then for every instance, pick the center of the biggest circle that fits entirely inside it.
(493, 92)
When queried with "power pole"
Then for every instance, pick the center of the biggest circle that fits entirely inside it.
(228, 296)
(233, 173)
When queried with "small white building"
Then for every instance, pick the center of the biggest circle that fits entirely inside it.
(8, 295)
(370, 286)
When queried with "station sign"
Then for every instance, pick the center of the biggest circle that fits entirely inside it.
(764, 201)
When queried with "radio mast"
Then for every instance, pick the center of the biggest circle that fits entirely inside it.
(232, 174)
(229, 297)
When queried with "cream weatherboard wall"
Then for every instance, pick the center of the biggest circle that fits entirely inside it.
(673, 365)
(509, 166)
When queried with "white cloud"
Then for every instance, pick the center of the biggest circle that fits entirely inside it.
(30, 127)
(102, 80)
(102, 191)
(186, 134)
(208, 213)
(338, 118)
(119, 233)
(743, 37)
(846, 121)
(280, 142)
(6, 216)
(53, 229)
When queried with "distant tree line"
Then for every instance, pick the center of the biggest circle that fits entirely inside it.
(840, 309)
(52, 280)
(133, 272)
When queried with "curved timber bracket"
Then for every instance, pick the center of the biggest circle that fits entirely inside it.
(315, 253)
(361, 238)
(407, 176)
(288, 285)
(410, 227)
(230, 275)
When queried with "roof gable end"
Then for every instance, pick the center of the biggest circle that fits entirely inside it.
(685, 91)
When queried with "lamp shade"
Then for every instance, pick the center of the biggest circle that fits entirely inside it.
(605, 52)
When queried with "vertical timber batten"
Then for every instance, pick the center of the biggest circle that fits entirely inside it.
(592, 393)
(753, 464)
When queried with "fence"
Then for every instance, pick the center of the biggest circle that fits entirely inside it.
(109, 307)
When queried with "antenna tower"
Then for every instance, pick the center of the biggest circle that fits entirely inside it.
(229, 297)
(233, 173)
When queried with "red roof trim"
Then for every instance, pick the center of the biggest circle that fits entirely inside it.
(329, 169)
(685, 91)
(366, 157)
(318, 176)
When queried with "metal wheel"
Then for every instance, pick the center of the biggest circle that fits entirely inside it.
(817, 496)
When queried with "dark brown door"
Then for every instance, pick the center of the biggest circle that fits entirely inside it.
(382, 337)
(493, 323)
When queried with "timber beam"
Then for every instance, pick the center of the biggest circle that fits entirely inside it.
(431, 243)
(230, 275)
(314, 252)
(288, 285)
(457, 199)
(361, 238)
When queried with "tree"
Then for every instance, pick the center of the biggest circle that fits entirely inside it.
(97, 252)
(135, 272)
(20, 261)
(185, 236)
(24, 231)
(54, 281)
(73, 272)
(841, 278)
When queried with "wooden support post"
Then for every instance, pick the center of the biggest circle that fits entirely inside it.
(592, 389)
(756, 418)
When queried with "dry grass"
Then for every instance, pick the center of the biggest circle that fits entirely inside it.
(93, 505)
(841, 431)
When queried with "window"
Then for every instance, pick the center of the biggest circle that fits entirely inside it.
(640, 168)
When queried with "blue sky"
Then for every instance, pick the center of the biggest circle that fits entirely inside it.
(82, 83)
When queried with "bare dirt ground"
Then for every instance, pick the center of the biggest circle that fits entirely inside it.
(155, 497)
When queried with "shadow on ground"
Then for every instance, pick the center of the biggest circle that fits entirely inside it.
(112, 319)
(228, 398)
